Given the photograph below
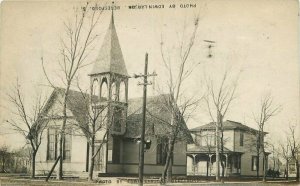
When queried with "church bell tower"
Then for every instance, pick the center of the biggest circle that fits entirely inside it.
(109, 82)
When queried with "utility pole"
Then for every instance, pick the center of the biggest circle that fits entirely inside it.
(142, 142)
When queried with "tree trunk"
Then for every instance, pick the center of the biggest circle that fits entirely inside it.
(62, 134)
(218, 148)
(207, 167)
(287, 169)
(169, 172)
(297, 171)
(222, 151)
(257, 154)
(33, 164)
(168, 164)
(60, 168)
(3, 163)
(92, 160)
(265, 165)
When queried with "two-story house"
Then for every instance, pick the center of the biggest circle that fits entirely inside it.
(239, 155)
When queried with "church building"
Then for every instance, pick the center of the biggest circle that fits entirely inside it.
(122, 116)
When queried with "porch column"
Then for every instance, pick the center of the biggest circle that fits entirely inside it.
(233, 157)
(194, 164)
(239, 163)
(210, 155)
(226, 155)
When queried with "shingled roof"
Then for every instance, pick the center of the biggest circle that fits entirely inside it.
(77, 103)
(158, 118)
(227, 125)
(204, 149)
(110, 57)
(158, 115)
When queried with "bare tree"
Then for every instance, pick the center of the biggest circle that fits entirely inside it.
(96, 122)
(284, 153)
(275, 162)
(29, 123)
(75, 49)
(294, 145)
(179, 106)
(218, 101)
(266, 111)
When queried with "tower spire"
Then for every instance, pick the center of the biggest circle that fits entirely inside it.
(112, 12)
(110, 57)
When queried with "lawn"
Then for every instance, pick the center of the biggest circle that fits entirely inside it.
(17, 179)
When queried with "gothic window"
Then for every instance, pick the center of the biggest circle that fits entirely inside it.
(104, 89)
(96, 88)
(114, 96)
(122, 92)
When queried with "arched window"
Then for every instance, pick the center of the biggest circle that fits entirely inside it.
(95, 88)
(114, 96)
(104, 89)
(122, 92)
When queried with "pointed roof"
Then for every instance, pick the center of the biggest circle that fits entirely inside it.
(110, 57)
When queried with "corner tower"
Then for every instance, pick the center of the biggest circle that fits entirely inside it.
(109, 81)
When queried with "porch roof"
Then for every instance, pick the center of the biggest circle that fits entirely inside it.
(206, 149)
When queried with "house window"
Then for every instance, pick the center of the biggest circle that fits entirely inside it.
(53, 144)
(67, 145)
(161, 152)
(208, 139)
(254, 163)
(241, 139)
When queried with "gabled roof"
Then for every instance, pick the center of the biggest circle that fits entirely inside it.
(158, 115)
(77, 103)
(158, 118)
(227, 125)
(110, 57)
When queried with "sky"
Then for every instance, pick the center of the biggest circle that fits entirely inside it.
(257, 39)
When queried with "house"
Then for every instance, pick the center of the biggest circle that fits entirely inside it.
(119, 154)
(239, 153)
(292, 166)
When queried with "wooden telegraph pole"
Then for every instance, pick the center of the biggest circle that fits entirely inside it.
(142, 143)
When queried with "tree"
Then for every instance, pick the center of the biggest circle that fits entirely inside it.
(29, 123)
(96, 117)
(4, 157)
(284, 153)
(75, 49)
(275, 162)
(178, 70)
(267, 110)
(294, 145)
(218, 100)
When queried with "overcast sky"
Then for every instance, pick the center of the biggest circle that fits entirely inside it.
(258, 38)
